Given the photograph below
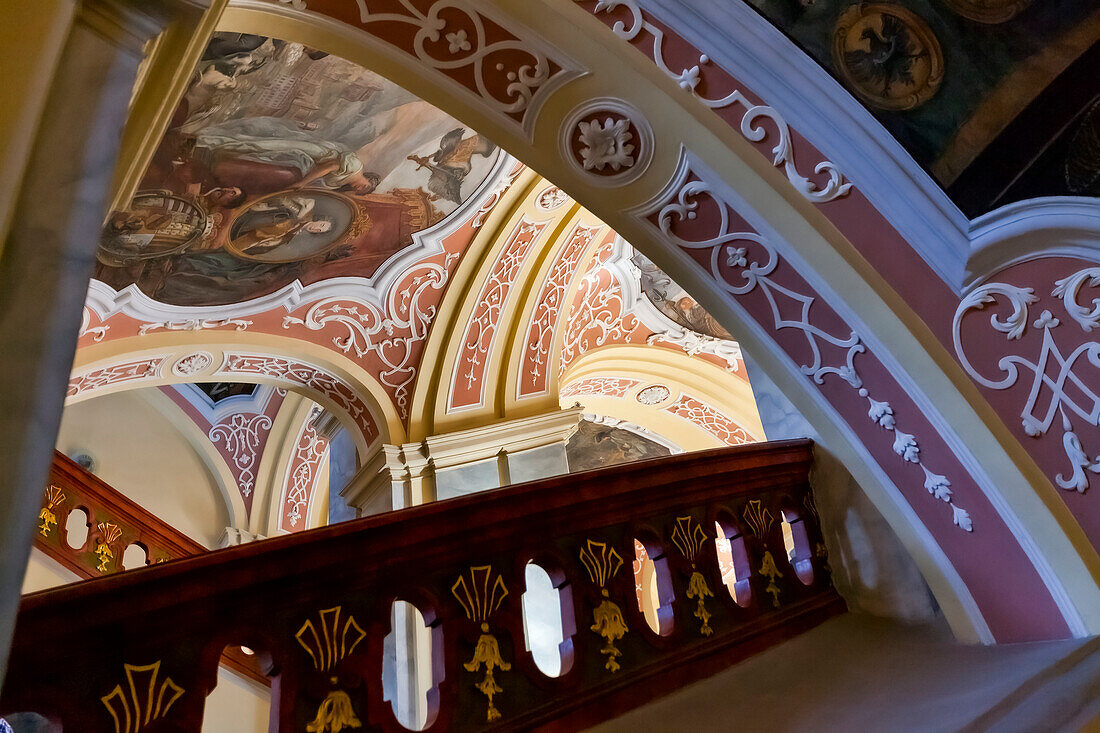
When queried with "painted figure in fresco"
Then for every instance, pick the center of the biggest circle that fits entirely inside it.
(888, 58)
(158, 223)
(595, 446)
(452, 162)
(270, 224)
(264, 154)
(674, 302)
(297, 164)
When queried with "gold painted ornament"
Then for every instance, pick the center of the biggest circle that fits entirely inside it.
(487, 652)
(480, 598)
(602, 562)
(335, 640)
(758, 517)
(335, 714)
(49, 520)
(689, 538)
(888, 56)
(111, 533)
(698, 589)
(54, 496)
(143, 701)
(610, 624)
(771, 572)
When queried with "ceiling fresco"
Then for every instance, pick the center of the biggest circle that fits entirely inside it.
(595, 446)
(946, 77)
(674, 302)
(282, 163)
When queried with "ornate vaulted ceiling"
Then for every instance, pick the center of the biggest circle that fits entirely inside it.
(311, 226)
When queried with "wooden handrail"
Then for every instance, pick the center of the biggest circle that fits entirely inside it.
(317, 604)
(114, 522)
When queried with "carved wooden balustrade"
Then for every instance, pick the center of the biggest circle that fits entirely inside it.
(113, 524)
(139, 650)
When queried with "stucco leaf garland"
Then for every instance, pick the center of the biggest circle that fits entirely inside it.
(744, 261)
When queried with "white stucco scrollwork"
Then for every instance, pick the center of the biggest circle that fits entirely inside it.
(751, 126)
(1057, 389)
(240, 437)
(743, 261)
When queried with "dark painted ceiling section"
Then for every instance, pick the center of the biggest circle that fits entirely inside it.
(997, 99)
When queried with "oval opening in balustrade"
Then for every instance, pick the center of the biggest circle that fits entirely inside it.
(136, 555)
(653, 585)
(27, 722)
(238, 702)
(548, 636)
(797, 544)
(77, 526)
(733, 562)
(410, 681)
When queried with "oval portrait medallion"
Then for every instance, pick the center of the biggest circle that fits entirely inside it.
(888, 56)
(156, 224)
(292, 226)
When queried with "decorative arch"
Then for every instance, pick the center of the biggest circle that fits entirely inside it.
(331, 380)
(880, 307)
(686, 400)
(214, 461)
(295, 502)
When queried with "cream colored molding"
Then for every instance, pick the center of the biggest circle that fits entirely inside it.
(410, 469)
(829, 257)
(371, 490)
(331, 379)
(531, 84)
(614, 422)
(681, 374)
(233, 536)
(508, 436)
(532, 315)
(170, 59)
(431, 389)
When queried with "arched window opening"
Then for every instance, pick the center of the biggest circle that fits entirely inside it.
(77, 526)
(135, 556)
(548, 625)
(654, 587)
(238, 703)
(797, 544)
(733, 562)
(411, 667)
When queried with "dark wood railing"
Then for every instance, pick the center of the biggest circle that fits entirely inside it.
(110, 523)
(139, 650)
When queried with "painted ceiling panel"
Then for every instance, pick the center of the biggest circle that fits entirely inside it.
(284, 162)
(997, 99)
